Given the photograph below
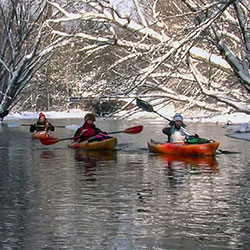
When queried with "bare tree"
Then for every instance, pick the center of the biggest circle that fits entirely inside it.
(191, 53)
(25, 46)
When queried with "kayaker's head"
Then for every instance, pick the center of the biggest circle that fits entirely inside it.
(41, 117)
(89, 118)
(178, 119)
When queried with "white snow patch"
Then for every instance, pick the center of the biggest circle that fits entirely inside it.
(72, 113)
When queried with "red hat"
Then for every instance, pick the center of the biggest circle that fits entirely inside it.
(41, 114)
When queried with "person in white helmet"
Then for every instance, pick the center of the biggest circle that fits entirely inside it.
(176, 130)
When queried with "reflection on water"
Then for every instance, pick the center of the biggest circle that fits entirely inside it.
(195, 161)
(85, 155)
(89, 160)
(177, 166)
(47, 154)
(59, 198)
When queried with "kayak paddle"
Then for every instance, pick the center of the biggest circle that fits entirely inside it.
(132, 130)
(147, 107)
(51, 141)
(17, 124)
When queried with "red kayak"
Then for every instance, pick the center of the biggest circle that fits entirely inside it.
(181, 148)
(41, 135)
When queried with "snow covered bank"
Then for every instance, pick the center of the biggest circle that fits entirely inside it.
(239, 131)
(235, 118)
(241, 136)
(73, 113)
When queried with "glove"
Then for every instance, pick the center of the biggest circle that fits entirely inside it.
(32, 128)
(172, 123)
(81, 138)
(51, 128)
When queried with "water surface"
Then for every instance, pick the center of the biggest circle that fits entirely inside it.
(53, 197)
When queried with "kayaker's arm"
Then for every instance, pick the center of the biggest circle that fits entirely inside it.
(167, 132)
(81, 138)
(79, 135)
(49, 126)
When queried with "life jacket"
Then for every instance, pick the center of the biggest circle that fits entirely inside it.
(86, 132)
(177, 134)
(40, 126)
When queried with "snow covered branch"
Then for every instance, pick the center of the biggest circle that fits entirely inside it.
(189, 50)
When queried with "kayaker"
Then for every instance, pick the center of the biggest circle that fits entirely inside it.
(42, 124)
(176, 130)
(89, 132)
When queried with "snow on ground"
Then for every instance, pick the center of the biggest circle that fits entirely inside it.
(237, 124)
(73, 113)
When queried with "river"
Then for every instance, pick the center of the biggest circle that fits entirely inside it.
(53, 197)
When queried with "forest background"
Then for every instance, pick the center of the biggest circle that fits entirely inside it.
(192, 56)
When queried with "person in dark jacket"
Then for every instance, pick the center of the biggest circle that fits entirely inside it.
(89, 132)
(176, 130)
(42, 124)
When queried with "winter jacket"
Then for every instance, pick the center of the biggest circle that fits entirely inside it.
(89, 132)
(42, 126)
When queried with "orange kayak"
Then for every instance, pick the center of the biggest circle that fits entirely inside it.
(108, 144)
(183, 149)
(41, 135)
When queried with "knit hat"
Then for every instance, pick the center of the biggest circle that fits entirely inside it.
(178, 117)
(41, 114)
(89, 116)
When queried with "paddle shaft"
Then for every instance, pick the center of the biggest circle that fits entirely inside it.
(64, 139)
(116, 132)
(71, 138)
(16, 125)
(42, 126)
(161, 116)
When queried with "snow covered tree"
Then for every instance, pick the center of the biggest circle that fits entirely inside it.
(25, 46)
(193, 53)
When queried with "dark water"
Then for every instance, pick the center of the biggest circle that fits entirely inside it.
(57, 198)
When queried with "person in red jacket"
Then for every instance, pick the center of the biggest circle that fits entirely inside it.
(89, 132)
